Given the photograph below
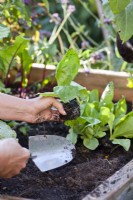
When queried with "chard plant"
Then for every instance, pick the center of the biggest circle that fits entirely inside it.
(99, 116)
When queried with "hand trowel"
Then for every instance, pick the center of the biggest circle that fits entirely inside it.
(50, 151)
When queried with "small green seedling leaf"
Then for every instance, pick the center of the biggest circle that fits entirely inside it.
(125, 143)
(124, 128)
(72, 136)
(91, 144)
(108, 94)
(6, 131)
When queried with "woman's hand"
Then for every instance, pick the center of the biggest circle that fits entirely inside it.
(34, 110)
(13, 158)
(45, 109)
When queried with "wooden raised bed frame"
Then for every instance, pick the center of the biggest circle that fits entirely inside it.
(95, 79)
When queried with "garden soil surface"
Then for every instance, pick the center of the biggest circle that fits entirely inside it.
(72, 181)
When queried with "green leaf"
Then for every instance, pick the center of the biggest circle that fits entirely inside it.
(9, 53)
(108, 93)
(100, 134)
(120, 110)
(93, 96)
(48, 94)
(118, 5)
(26, 61)
(66, 93)
(125, 143)
(4, 31)
(91, 143)
(104, 115)
(124, 128)
(124, 23)
(67, 68)
(111, 122)
(6, 131)
(46, 4)
(72, 136)
(91, 120)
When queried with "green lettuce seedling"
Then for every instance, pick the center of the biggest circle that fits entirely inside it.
(98, 115)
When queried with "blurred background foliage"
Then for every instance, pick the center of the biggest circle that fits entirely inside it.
(51, 28)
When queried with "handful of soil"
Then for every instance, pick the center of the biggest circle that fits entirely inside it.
(72, 109)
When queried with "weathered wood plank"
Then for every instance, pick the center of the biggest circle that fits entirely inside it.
(96, 79)
(6, 197)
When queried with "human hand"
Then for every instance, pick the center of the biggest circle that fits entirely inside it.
(13, 158)
(46, 109)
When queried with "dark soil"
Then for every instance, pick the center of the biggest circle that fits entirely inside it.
(72, 109)
(72, 181)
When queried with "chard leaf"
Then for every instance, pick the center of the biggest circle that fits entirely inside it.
(68, 67)
(66, 93)
(108, 94)
(6, 131)
(118, 5)
(9, 53)
(125, 143)
(72, 136)
(124, 128)
(91, 143)
(26, 66)
(124, 22)
(48, 94)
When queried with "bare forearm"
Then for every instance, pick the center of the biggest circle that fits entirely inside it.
(13, 108)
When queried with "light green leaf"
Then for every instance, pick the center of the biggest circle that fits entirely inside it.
(48, 94)
(111, 122)
(6, 131)
(120, 110)
(4, 31)
(100, 134)
(104, 115)
(108, 93)
(91, 143)
(72, 136)
(118, 5)
(9, 53)
(124, 128)
(46, 4)
(93, 96)
(66, 93)
(125, 143)
(124, 22)
(26, 61)
(91, 120)
(67, 68)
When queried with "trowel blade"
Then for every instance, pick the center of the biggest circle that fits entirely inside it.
(50, 151)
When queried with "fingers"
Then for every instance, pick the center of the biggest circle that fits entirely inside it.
(13, 158)
(59, 107)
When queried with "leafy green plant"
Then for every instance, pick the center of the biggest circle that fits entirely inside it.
(98, 115)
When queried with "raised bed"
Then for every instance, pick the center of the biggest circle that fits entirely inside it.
(76, 177)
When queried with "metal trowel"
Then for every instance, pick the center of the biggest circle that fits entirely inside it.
(50, 151)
